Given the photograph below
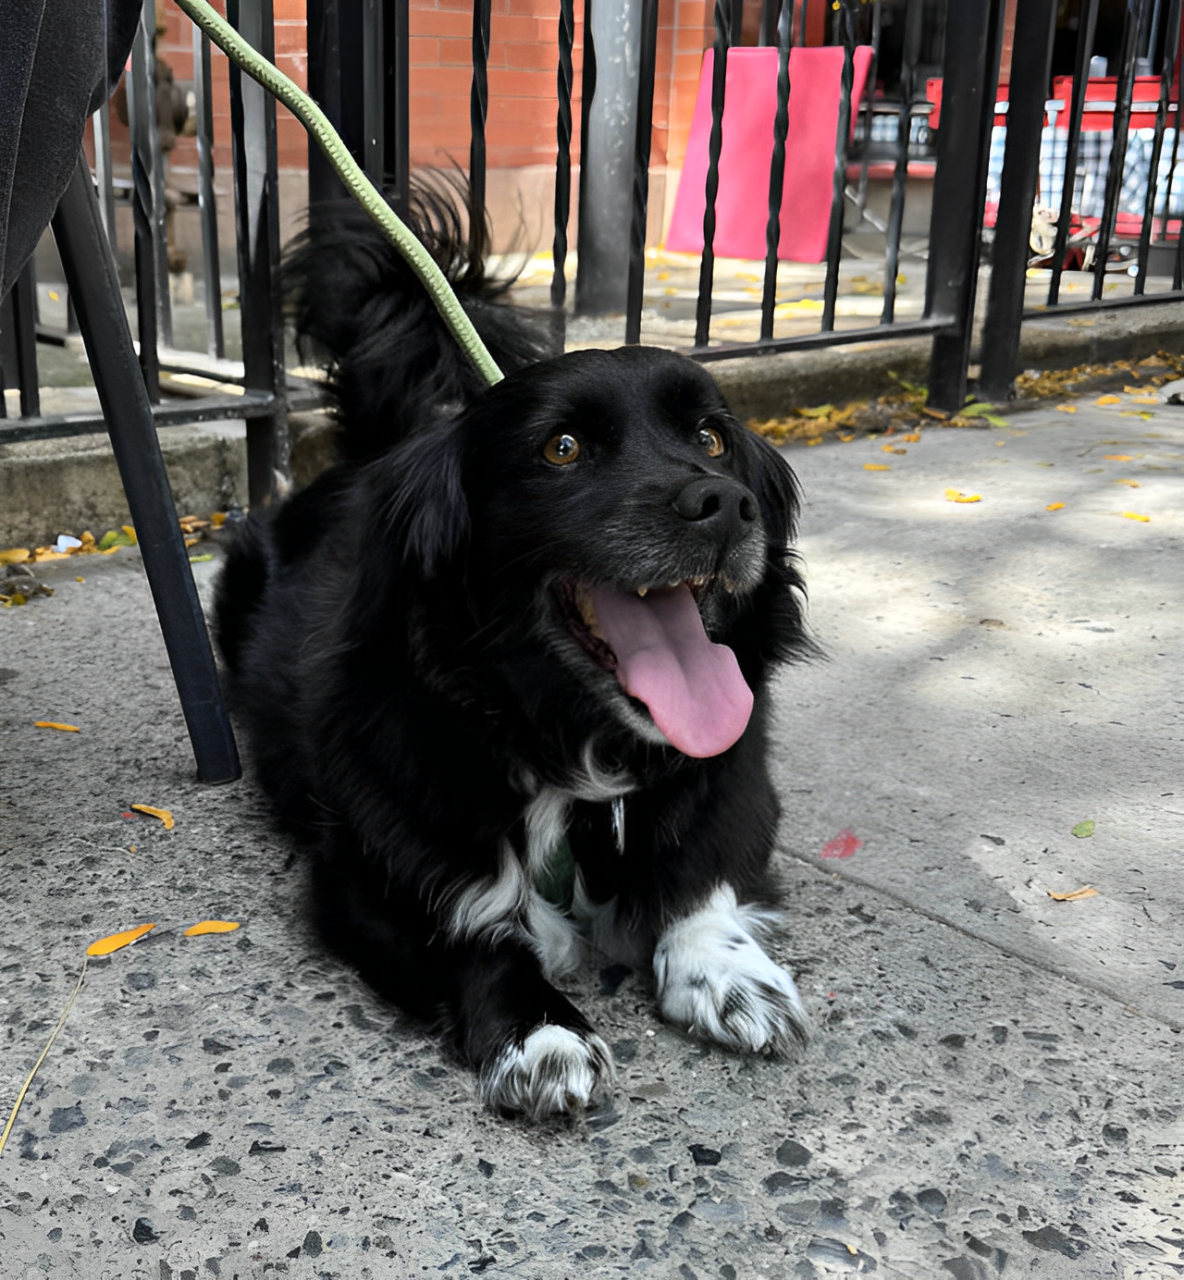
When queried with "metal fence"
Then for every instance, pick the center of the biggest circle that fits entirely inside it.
(1096, 158)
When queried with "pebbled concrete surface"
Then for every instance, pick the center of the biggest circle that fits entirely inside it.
(995, 1087)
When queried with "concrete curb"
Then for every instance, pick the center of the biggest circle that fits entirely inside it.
(70, 484)
(67, 485)
(769, 386)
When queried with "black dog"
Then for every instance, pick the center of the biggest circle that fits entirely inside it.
(506, 666)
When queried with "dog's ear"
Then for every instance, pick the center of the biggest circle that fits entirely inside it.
(775, 486)
(426, 514)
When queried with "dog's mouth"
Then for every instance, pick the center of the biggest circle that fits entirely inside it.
(653, 640)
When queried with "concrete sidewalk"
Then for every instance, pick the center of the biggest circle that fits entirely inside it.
(995, 1087)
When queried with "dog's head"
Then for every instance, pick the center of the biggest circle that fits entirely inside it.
(610, 505)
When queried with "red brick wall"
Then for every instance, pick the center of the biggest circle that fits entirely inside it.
(520, 128)
(523, 58)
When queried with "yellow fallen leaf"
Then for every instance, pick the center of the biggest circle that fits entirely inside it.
(814, 440)
(846, 439)
(889, 448)
(130, 531)
(1075, 896)
(1108, 400)
(191, 542)
(911, 438)
(53, 724)
(1134, 484)
(218, 519)
(1131, 515)
(1145, 400)
(1117, 457)
(1054, 506)
(956, 495)
(1067, 408)
(162, 814)
(79, 579)
(211, 926)
(115, 941)
(876, 466)
(15, 555)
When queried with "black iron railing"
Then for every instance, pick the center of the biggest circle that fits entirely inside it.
(1151, 33)
(359, 71)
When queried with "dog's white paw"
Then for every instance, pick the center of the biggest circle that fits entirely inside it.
(715, 981)
(555, 1071)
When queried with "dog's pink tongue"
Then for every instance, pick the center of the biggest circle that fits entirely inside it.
(692, 686)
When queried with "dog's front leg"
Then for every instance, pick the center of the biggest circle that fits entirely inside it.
(533, 1051)
(460, 953)
(693, 881)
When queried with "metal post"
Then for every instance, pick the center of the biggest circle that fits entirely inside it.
(904, 137)
(784, 37)
(1167, 76)
(94, 285)
(24, 323)
(834, 240)
(252, 115)
(1122, 118)
(478, 109)
(336, 82)
(206, 200)
(146, 150)
(563, 85)
(867, 106)
(397, 93)
(641, 168)
(141, 111)
(1031, 67)
(727, 16)
(609, 129)
(970, 74)
(1086, 25)
(373, 85)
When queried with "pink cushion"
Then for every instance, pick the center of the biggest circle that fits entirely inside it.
(742, 206)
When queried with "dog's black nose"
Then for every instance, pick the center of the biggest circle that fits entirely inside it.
(726, 503)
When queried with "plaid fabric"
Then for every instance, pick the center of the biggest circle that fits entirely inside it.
(1093, 160)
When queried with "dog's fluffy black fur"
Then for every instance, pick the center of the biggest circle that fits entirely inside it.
(432, 699)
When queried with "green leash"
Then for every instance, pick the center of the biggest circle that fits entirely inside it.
(360, 187)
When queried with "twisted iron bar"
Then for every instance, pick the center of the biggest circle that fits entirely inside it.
(478, 112)
(725, 20)
(777, 167)
(563, 86)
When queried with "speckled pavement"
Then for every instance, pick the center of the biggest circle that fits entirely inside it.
(995, 1086)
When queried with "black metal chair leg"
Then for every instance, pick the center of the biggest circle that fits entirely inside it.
(94, 286)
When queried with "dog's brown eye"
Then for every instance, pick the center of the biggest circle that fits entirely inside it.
(712, 441)
(561, 450)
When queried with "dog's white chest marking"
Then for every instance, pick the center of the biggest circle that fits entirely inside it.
(715, 980)
(618, 804)
(545, 821)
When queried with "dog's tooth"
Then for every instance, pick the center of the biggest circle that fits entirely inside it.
(641, 591)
